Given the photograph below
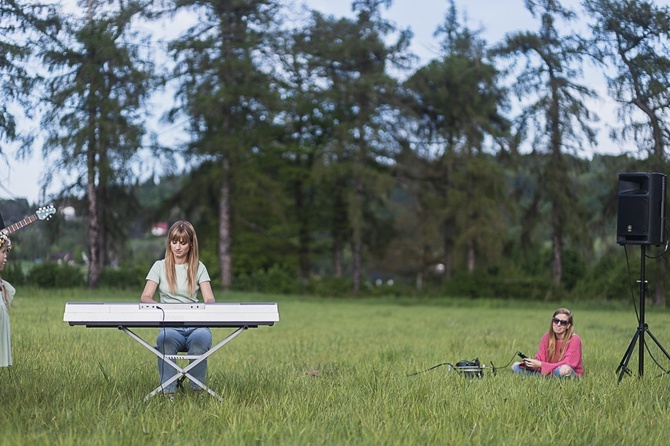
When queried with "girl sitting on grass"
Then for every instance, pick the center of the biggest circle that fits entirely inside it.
(560, 351)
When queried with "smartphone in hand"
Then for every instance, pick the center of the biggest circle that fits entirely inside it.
(521, 355)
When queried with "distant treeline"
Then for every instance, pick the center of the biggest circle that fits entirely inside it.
(314, 155)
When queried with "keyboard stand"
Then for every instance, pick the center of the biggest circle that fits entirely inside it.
(183, 372)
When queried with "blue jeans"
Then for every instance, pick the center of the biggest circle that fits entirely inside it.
(516, 368)
(194, 341)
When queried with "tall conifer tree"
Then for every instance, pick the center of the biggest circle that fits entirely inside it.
(632, 42)
(554, 103)
(93, 97)
(223, 91)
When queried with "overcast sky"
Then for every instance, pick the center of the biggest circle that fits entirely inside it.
(19, 179)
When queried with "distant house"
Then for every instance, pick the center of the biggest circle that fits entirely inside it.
(62, 257)
(159, 229)
(69, 213)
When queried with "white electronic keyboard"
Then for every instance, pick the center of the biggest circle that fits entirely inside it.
(123, 315)
(117, 314)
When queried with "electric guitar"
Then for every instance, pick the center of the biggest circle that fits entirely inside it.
(43, 213)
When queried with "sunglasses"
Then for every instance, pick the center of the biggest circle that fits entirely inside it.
(560, 322)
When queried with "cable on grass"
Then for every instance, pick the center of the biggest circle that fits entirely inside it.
(469, 369)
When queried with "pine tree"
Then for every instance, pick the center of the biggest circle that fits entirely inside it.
(553, 103)
(98, 79)
(224, 91)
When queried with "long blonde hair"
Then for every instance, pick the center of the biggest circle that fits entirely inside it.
(182, 231)
(566, 338)
(6, 244)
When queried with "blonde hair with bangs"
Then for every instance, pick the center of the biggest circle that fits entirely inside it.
(182, 231)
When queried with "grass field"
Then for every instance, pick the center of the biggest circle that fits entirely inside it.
(335, 372)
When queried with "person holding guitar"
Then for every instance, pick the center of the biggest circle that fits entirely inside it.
(8, 292)
(6, 289)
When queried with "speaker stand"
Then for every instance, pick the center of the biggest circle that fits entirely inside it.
(642, 328)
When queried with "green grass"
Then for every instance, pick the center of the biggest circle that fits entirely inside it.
(334, 372)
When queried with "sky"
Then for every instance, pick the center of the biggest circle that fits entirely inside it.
(496, 18)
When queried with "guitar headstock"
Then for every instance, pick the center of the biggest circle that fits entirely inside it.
(45, 212)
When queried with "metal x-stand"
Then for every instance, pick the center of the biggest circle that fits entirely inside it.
(642, 328)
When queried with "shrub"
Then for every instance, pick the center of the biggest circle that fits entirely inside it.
(274, 280)
(607, 280)
(574, 269)
(500, 286)
(278, 280)
(329, 286)
(123, 278)
(13, 273)
(55, 275)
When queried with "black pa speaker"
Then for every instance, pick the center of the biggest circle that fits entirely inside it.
(641, 211)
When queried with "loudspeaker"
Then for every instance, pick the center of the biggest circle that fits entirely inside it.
(641, 211)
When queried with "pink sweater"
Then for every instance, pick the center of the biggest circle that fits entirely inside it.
(572, 356)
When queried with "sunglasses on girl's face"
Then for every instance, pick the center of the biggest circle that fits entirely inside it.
(560, 322)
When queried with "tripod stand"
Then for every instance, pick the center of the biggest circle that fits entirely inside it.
(642, 328)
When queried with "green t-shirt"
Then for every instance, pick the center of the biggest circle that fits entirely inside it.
(181, 294)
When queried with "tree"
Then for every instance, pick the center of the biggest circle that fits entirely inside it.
(633, 37)
(456, 103)
(93, 99)
(552, 98)
(224, 91)
(305, 125)
(17, 23)
(354, 59)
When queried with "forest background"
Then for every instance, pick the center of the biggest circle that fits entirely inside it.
(315, 156)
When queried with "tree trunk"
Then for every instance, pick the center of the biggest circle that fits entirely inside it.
(357, 243)
(339, 225)
(556, 256)
(471, 257)
(423, 266)
(94, 222)
(337, 258)
(448, 252)
(659, 288)
(304, 239)
(225, 231)
(553, 185)
(356, 263)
